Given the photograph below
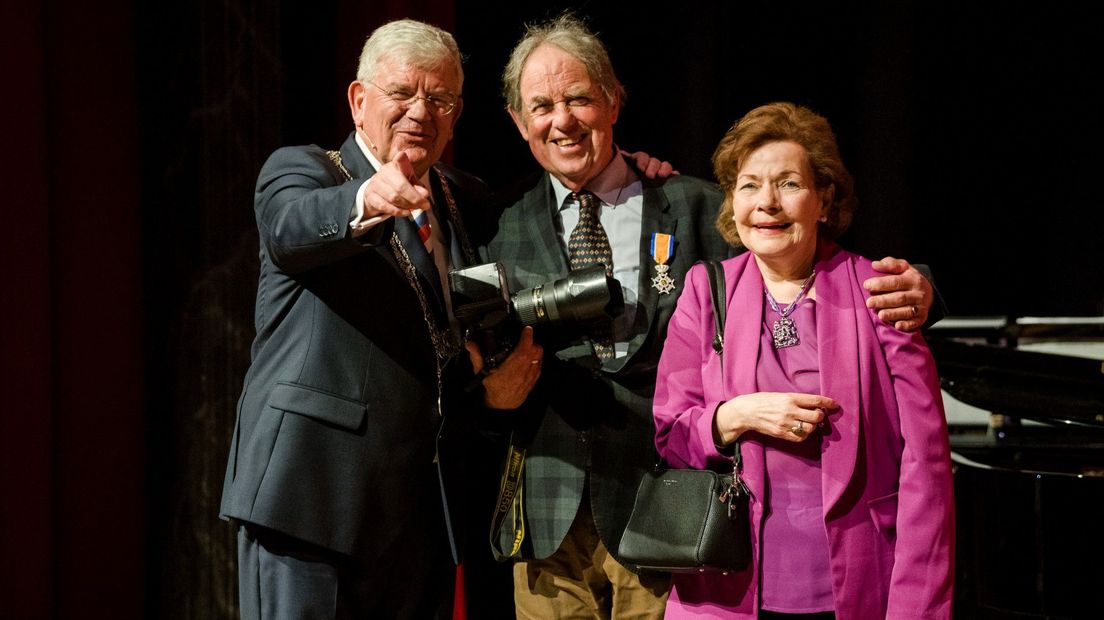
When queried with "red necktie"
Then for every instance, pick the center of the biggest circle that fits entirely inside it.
(421, 220)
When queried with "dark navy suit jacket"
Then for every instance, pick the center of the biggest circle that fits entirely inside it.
(336, 441)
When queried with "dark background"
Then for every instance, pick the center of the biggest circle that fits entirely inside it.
(134, 133)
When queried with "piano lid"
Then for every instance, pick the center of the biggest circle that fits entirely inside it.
(1015, 368)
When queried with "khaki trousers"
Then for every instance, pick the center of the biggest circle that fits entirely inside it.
(582, 580)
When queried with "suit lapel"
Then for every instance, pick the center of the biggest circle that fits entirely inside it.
(443, 213)
(541, 215)
(837, 335)
(359, 167)
(742, 337)
(422, 261)
(354, 160)
(656, 218)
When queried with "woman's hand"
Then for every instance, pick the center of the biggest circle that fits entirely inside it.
(788, 416)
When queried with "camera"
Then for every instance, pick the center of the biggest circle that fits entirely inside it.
(493, 316)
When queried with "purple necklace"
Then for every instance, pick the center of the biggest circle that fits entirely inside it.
(784, 331)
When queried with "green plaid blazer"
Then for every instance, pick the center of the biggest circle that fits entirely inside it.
(591, 424)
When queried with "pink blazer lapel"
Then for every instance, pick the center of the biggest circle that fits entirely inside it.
(840, 374)
(742, 333)
(742, 327)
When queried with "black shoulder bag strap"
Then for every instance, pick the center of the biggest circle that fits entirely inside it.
(717, 293)
(738, 492)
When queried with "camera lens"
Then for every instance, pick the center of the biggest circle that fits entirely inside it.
(581, 296)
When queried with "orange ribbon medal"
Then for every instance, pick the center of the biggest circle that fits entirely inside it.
(663, 246)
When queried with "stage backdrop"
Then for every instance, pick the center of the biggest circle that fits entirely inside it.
(137, 131)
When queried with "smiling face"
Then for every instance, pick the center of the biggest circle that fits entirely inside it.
(565, 117)
(776, 206)
(420, 130)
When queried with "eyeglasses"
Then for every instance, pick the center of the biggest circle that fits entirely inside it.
(442, 104)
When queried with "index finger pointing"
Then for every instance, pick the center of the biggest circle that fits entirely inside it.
(404, 165)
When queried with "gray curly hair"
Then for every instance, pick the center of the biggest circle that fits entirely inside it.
(570, 34)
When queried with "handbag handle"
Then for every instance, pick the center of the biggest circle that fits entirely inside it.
(717, 293)
(717, 296)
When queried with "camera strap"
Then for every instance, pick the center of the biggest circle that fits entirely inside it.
(508, 528)
(510, 503)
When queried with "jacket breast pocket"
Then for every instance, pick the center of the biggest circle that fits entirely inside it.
(322, 406)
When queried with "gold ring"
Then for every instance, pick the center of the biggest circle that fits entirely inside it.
(798, 429)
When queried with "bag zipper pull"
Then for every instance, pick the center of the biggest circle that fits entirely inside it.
(735, 491)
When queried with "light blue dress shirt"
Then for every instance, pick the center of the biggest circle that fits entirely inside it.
(622, 196)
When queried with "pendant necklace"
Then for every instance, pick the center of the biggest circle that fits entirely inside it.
(784, 331)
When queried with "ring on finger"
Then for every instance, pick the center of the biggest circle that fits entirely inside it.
(798, 428)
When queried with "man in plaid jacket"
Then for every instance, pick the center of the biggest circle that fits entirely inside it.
(587, 427)
(590, 421)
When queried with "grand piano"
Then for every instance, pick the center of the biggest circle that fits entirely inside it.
(1025, 409)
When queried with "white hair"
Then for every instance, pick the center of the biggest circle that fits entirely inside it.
(410, 42)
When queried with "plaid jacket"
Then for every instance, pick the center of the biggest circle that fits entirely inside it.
(591, 422)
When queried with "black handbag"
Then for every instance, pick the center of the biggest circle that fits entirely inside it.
(691, 520)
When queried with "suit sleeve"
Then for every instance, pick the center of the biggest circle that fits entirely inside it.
(938, 309)
(922, 582)
(683, 415)
(303, 210)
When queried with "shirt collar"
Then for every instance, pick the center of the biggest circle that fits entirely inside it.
(608, 185)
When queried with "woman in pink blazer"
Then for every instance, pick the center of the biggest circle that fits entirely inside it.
(837, 415)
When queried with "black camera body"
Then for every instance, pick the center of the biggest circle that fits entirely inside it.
(492, 316)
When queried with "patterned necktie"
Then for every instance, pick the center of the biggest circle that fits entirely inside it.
(587, 246)
(421, 220)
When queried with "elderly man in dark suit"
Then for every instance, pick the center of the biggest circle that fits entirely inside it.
(586, 431)
(341, 453)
